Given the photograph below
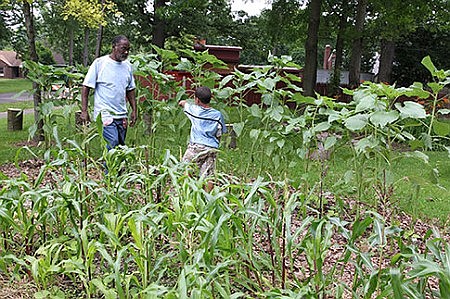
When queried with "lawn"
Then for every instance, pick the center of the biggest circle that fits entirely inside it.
(16, 105)
(15, 85)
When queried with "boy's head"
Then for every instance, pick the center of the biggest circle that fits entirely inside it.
(203, 93)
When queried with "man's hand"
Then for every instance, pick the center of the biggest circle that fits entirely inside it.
(182, 103)
(133, 118)
(84, 116)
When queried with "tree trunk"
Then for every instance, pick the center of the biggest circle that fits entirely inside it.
(355, 59)
(86, 47)
(71, 43)
(37, 97)
(386, 60)
(310, 70)
(98, 46)
(159, 31)
(336, 79)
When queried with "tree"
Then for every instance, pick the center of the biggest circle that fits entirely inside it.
(357, 45)
(5, 33)
(337, 25)
(284, 26)
(91, 14)
(411, 49)
(37, 96)
(310, 70)
(390, 28)
(159, 31)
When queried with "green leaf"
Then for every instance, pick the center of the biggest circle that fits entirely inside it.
(280, 143)
(356, 122)
(424, 268)
(411, 110)
(368, 142)
(367, 102)
(360, 227)
(323, 126)
(418, 155)
(254, 133)
(255, 111)
(269, 148)
(426, 61)
(268, 83)
(42, 294)
(382, 118)
(444, 111)
(238, 127)
(330, 142)
(416, 90)
(441, 128)
(427, 140)
(448, 151)
(396, 283)
(435, 87)
(276, 113)
(267, 98)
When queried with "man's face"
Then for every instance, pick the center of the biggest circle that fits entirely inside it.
(120, 50)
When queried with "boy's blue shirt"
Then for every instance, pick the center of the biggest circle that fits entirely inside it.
(207, 125)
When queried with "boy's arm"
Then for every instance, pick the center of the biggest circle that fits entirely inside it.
(182, 103)
(224, 126)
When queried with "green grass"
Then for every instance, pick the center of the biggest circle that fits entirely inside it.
(14, 85)
(12, 141)
(17, 105)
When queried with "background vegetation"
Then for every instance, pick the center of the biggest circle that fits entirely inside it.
(309, 204)
(81, 31)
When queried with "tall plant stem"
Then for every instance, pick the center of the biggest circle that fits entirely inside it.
(433, 114)
(283, 254)
(271, 253)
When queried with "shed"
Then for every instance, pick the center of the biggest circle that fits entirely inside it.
(10, 65)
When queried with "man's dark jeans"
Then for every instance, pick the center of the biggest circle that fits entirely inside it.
(115, 133)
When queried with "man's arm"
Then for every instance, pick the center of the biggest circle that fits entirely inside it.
(84, 103)
(131, 97)
(182, 103)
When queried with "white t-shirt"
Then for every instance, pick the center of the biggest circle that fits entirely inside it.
(110, 80)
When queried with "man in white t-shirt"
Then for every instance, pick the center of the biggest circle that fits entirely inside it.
(111, 77)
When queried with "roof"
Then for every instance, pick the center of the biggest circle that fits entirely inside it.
(10, 58)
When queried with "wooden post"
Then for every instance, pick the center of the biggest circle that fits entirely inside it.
(233, 136)
(15, 119)
(78, 121)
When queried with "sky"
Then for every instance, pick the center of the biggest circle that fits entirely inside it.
(252, 7)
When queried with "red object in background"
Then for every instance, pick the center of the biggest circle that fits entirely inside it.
(181, 77)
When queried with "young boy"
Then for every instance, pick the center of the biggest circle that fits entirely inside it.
(207, 125)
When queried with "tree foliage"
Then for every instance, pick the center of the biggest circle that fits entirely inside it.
(281, 29)
(90, 13)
